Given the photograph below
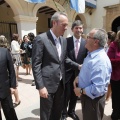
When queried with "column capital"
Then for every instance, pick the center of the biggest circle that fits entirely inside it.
(22, 18)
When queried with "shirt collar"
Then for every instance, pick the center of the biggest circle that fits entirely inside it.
(54, 36)
(95, 52)
(74, 38)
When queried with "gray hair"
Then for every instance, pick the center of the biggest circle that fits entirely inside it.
(3, 41)
(56, 16)
(102, 36)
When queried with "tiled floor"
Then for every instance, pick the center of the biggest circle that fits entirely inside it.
(29, 107)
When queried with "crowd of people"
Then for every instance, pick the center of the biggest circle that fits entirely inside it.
(64, 69)
(17, 54)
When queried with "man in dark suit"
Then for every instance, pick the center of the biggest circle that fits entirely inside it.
(76, 52)
(48, 57)
(7, 81)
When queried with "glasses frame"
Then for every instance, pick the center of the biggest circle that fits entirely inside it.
(89, 37)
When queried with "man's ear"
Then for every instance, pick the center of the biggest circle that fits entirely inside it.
(96, 42)
(53, 22)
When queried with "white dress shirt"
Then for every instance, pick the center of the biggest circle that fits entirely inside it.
(79, 42)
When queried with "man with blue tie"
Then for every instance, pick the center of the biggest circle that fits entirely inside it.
(76, 52)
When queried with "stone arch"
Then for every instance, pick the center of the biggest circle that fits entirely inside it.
(45, 22)
(14, 4)
(49, 4)
(109, 26)
(82, 18)
(116, 24)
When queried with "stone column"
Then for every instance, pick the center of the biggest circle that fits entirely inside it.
(25, 24)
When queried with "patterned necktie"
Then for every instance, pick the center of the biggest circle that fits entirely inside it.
(76, 48)
(58, 46)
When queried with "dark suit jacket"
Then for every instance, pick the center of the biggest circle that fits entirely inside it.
(46, 64)
(71, 73)
(7, 73)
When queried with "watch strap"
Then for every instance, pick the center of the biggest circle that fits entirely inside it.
(81, 90)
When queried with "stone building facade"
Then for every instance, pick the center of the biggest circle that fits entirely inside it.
(23, 17)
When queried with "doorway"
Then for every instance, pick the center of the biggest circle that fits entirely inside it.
(116, 24)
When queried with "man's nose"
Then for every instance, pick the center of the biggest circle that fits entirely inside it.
(66, 27)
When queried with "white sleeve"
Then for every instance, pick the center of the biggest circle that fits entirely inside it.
(15, 47)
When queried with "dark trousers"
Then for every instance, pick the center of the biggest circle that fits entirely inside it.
(0, 115)
(51, 108)
(92, 109)
(115, 87)
(70, 99)
(8, 108)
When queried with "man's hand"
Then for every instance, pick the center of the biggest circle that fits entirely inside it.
(12, 90)
(79, 67)
(76, 89)
(21, 50)
(77, 92)
(43, 92)
(75, 83)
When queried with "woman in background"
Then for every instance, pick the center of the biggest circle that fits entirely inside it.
(31, 37)
(114, 55)
(111, 38)
(15, 51)
(26, 60)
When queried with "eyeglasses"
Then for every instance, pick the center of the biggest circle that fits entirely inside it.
(89, 37)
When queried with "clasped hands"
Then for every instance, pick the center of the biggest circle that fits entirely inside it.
(44, 93)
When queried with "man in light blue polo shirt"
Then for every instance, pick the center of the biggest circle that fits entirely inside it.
(94, 76)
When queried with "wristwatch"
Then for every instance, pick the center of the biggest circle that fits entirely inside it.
(81, 91)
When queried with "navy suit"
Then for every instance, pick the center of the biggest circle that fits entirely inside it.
(7, 81)
(70, 97)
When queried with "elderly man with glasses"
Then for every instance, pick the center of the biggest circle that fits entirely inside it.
(94, 76)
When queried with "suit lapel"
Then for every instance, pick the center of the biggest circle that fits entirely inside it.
(72, 47)
(52, 42)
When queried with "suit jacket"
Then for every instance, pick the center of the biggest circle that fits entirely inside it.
(71, 73)
(46, 64)
(7, 73)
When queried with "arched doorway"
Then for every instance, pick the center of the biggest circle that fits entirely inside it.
(116, 24)
(44, 15)
(77, 18)
(7, 24)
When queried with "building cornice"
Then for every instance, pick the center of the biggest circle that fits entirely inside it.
(23, 18)
(112, 6)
